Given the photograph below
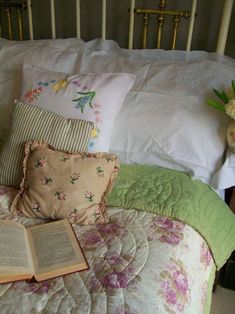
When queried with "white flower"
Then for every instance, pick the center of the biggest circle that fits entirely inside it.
(230, 108)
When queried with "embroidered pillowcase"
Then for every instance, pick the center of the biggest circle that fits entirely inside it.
(93, 97)
(58, 184)
(32, 123)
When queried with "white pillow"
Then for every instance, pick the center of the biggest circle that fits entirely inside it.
(225, 177)
(169, 80)
(59, 55)
(93, 97)
(169, 124)
(97, 62)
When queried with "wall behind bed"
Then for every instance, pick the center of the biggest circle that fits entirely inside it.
(205, 34)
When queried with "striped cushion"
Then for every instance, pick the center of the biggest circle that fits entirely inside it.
(32, 123)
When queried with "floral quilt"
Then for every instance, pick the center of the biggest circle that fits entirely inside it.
(139, 263)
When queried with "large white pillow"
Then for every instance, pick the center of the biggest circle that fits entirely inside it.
(92, 97)
(170, 131)
(169, 80)
(59, 55)
(164, 120)
(168, 123)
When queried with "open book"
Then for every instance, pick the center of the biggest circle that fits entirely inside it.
(40, 252)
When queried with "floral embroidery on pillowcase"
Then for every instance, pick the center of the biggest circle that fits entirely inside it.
(78, 82)
(85, 98)
(34, 93)
(95, 132)
(97, 112)
(61, 84)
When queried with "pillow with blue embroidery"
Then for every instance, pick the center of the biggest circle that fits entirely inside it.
(95, 97)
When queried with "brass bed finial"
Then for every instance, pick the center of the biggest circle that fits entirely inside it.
(161, 19)
(161, 13)
(7, 10)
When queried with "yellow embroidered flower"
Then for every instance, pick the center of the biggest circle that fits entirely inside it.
(95, 132)
(60, 85)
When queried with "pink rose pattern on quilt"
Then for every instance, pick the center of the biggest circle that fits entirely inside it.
(166, 230)
(127, 274)
(175, 286)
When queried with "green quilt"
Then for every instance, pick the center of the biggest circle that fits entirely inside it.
(174, 194)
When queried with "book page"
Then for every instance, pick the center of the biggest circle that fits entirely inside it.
(14, 250)
(54, 246)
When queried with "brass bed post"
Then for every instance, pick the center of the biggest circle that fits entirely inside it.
(176, 20)
(161, 14)
(0, 22)
(9, 24)
(160, 19)
(19, 18)
(145, 32)
(9, 9)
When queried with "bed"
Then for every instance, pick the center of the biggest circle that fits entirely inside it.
(161, 229)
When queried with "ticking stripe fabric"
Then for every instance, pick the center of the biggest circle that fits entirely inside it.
(31, 123)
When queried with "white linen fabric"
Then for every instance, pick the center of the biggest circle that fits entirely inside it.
(126, 272)
(95, 97)
(225, 177)
(59, 55)
(172, 126)
(166, 82)
(164, 119)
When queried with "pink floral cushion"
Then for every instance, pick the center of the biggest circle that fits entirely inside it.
(58, 184)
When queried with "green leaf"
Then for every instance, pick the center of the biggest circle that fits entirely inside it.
(233, 86)
(226, 98)
(216, 105)
(221, 95)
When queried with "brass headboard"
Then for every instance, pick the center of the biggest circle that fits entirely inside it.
(14, 14)
(11, 18)
(162, 13)
(7, 11)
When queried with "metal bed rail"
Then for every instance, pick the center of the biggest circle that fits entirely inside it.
(160, 15)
